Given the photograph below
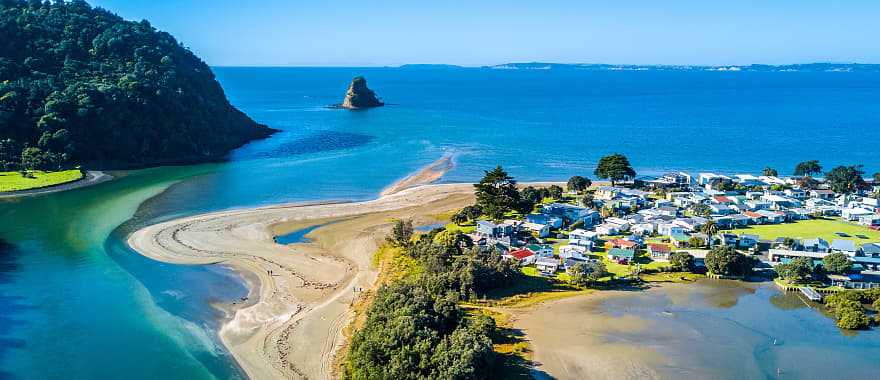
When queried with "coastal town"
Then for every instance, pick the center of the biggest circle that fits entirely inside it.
(640, 223)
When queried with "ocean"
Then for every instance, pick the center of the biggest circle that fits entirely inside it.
(75, 302)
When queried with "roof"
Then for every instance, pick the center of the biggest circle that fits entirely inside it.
(753, 214)
(521, 254)
(622, 243)
(661, 248)
(871, 248)
(722, 199)
(547, 261)
(620, 252)
(843, 245)
(815, 242)
(536, 247)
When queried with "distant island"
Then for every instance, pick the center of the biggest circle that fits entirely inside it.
(359, 96)
(80, 85)
(806, 67)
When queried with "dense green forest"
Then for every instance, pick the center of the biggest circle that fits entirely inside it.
(80, 85)
(415, 329)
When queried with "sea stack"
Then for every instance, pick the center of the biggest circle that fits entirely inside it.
(360, 96)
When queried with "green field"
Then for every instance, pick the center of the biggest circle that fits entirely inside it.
(14, 181)
(811, 229)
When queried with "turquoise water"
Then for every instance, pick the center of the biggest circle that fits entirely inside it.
(75, 302)
(298, 236)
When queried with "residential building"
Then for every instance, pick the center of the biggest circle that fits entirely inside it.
(523, 256)
(659, 251)
(620, 255)
(547, 265)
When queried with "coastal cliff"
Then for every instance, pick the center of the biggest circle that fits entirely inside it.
(360, 96)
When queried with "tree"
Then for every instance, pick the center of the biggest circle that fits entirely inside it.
(82, 84)
(532, 195)
(726, 261)
(586, 273)
(615, 167)
(770, 172)
(837, 263)
(853, 319)
(876, 179)
(578, 183)
(808, 168)
(587, 201)
(401, 233)
(36, 159)
(807, 183)
(846, 179)
(710, 228)
(496, 193)
(682, 261)
(695, 242)
(798, 270)
(700, 209)
(458, 218)
(555, 191)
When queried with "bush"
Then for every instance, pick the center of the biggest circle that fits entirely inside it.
(798, 270)
(853, 319)
(726, 261)
(682, 261)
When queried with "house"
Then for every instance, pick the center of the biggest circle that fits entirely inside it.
(659, 251)
(523, 256)
(748, 241)
(816, 245)
(778, 202)
(620, 255)
(729, 240)
(847, 247)
(722, 199)
(667, 180)
(643, 229)
(739, 220)
(854, 281)
(552, 221)
(541, 250)
(822, 194)
(772, 217)
(755, 218)
(748, 180)
(798, 194)
(680, 240)
(854, 214)
(570, 213)
(573, 251)
(871, 250)
(621, 243)
(489, 229)
(669, 229)
(547, 265)
(542, 230)
(571, 261)
(691, 224)
(608, 229)
(711, 178)
(869, 220)
(606, 193)
(582, 237)
(667, 211)
(723, 222)
(720, 209)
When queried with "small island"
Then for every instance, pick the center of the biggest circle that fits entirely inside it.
(359, 96)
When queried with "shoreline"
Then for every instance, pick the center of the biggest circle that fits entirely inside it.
(91, 177)
(300, 292)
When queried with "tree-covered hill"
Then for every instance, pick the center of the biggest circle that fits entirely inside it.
(80, 85)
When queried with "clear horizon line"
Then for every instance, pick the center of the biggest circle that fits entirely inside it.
(393, 65)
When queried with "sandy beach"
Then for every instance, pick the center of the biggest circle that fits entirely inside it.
(291, 326)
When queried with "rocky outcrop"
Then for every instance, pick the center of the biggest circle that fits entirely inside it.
(360, 96)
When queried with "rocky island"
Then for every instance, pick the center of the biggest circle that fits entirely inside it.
(360, 96)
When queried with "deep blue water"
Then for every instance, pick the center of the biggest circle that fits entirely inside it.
(73, 293)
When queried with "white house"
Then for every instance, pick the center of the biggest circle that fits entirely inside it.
(547, 265)
(582, 237)
(853, 214)
(608, 229)
(542, 230)
(847, 247)
(572, 251)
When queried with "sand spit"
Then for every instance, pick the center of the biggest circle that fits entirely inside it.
(303, 297)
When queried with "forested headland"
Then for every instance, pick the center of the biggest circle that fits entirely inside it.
(80, 85)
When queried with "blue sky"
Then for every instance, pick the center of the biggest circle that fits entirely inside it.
(479, 32)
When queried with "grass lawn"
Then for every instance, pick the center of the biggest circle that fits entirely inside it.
(13, 181)
(465, 229)
(810, 229)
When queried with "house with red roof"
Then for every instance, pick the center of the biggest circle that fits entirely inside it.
(755, 218)
(523, 256)
(621, 243)
(659, 251)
